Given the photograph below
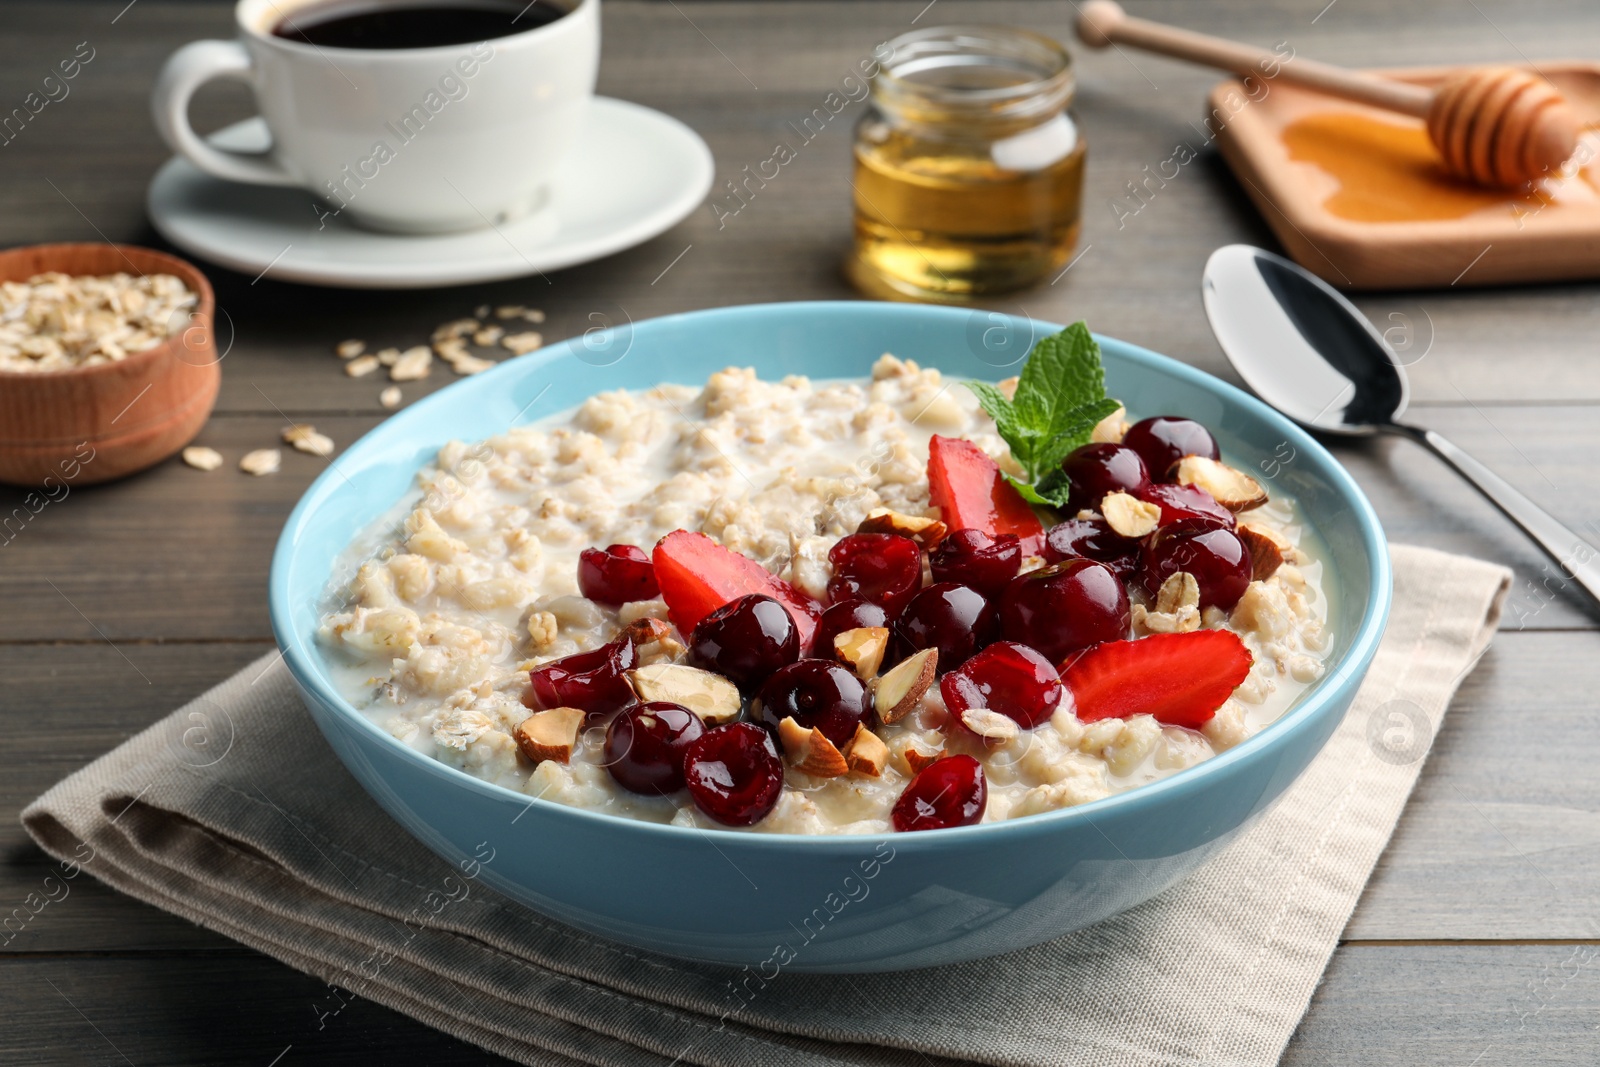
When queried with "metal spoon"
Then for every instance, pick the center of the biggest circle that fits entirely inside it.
(1311, 354)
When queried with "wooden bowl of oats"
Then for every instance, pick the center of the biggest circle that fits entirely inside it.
(108, 363)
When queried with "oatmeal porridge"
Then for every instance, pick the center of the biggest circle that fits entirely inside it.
(826, 606)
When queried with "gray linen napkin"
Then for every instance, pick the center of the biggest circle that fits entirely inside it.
(233, 813)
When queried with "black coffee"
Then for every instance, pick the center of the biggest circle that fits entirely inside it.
(354, 24)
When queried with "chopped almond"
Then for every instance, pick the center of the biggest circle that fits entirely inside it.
(990, 725)
(646, 631)
(792, 736)
(899, 690)
(811, 750)
(550, 734)
(916, 759)
(654, 641)
(1267, 550)
(1129, 516)
(866, 753)
(1111, 429)
(925, 532)
(863, 649)
(710, 696)
(1233, 489)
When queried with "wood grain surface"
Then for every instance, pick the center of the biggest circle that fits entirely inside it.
(1477, 941)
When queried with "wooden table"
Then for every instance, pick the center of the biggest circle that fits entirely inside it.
(1477, 941)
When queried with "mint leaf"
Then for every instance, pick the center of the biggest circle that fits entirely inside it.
(997, 405)
(1050, 498)
(1025, 445)
(1062, 376)
(1060, 396)
(1077, 425)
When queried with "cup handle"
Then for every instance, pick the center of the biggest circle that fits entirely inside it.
(186, 70)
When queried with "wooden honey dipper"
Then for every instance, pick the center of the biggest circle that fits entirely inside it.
(1495, 126)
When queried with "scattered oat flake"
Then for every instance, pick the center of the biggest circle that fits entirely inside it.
(261, 461)
(451, 350)
(510, 311)
(414, 363)
(387, 356)
(482, 312)
(350, 349)
(488, 336)
(361, 365)
(318, 444)
(202, 458)
(521, 343)
(390, 397)
(533, 315)
(305, 438)
(457, 328)
(471, 365)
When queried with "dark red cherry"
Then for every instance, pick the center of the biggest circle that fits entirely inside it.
(955, 619)
(848, 615)
(884, 569)
(973, 558)
(745, 640)
(1165, 439)
(733, 773)
(591, 681)
(1217, 558)
(1065, 607)
(645, 745)
(1187, 504)
(617, 575)
(947, 792)
(1097, 469)
(1007, 677)
(1092, 539)
(820, 695)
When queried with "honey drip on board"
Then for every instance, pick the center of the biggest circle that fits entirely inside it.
(1389, 172)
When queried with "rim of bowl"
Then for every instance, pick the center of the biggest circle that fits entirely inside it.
(191, 275)
(1349, 669)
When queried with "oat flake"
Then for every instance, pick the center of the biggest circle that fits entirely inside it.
(261, 461)
(305, 438)
(202, 458)
(521, 343)
(413, 364)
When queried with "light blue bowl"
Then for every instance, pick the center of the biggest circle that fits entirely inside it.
(834, 903)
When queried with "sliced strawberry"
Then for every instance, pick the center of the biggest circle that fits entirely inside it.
(971, 494)
(697, 576)
(1181, 679)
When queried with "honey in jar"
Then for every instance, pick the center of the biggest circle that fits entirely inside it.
(968, 166)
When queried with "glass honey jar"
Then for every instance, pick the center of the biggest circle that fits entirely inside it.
(968, 166)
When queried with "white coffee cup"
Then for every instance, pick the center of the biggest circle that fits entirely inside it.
(417, 140)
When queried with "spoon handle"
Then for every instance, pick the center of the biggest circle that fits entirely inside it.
(1577, 559)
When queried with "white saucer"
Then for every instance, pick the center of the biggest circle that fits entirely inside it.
(633, 173)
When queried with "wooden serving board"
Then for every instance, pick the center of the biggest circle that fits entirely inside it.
(1357, 195)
